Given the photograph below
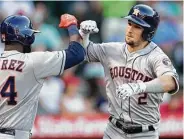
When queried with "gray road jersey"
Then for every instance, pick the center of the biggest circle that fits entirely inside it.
(23, 75)
(121, 67)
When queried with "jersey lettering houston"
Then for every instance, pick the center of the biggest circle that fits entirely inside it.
(121, 66)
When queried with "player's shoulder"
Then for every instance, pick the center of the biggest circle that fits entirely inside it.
(13, 54)
(156, 50)
(112, 46)
(39, 54)
(36, 53)
(32, 57)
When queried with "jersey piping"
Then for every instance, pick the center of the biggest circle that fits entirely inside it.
(61, 69)
(131, 77)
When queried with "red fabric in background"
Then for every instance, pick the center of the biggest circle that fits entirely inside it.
(92, 126)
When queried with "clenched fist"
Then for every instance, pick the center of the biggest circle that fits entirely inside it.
(126, 90)
(67, 20)
(88, 26)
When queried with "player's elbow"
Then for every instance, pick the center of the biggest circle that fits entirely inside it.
(74, 54)
(169, 83)
(174, 86)
(77, 50)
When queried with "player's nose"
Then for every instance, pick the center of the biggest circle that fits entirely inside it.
(130, 30)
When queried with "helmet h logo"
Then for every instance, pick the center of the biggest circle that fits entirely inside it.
(16, 31)
(136, 12)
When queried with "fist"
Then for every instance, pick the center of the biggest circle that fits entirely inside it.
(126, 90)
(67, 20)
(88, 26)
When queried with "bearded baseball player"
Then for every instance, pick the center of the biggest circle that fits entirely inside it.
(23, 72)
(137, 74)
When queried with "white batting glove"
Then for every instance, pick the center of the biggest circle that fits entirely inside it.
(86, 28)
(126, 90)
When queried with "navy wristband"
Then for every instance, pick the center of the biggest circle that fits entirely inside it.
(73, 30)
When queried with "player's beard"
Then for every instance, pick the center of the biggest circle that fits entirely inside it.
(131, 43)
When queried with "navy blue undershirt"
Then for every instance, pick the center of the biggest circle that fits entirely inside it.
(74, 54)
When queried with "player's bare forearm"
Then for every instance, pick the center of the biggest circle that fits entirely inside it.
(70, 23)
(75, 52)
(76, 38)
(168, 83)
(162, 84)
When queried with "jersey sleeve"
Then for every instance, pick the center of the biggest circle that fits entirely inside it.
(48, 63)
(162, 65)
(95, 52)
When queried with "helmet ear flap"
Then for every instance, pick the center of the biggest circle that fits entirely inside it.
(144, 36)
(30, 39)
(148, 34)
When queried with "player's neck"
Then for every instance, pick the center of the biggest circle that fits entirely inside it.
(17, 47)
(136, 48)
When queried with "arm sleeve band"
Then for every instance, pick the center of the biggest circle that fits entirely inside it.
(73, 30)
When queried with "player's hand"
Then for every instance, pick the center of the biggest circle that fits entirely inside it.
(66, 20)
(88, 26)
(126, 90)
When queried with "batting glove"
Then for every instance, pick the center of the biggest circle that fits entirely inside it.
(67, 20)
(126, 90)
(86, 28)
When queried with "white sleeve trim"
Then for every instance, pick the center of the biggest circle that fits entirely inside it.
(63, 62)
(176, 81)
(177, 86)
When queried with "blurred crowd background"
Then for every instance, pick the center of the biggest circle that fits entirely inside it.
(81, 89)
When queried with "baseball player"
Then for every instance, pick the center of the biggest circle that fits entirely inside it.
(23, 73)
(137, 74)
